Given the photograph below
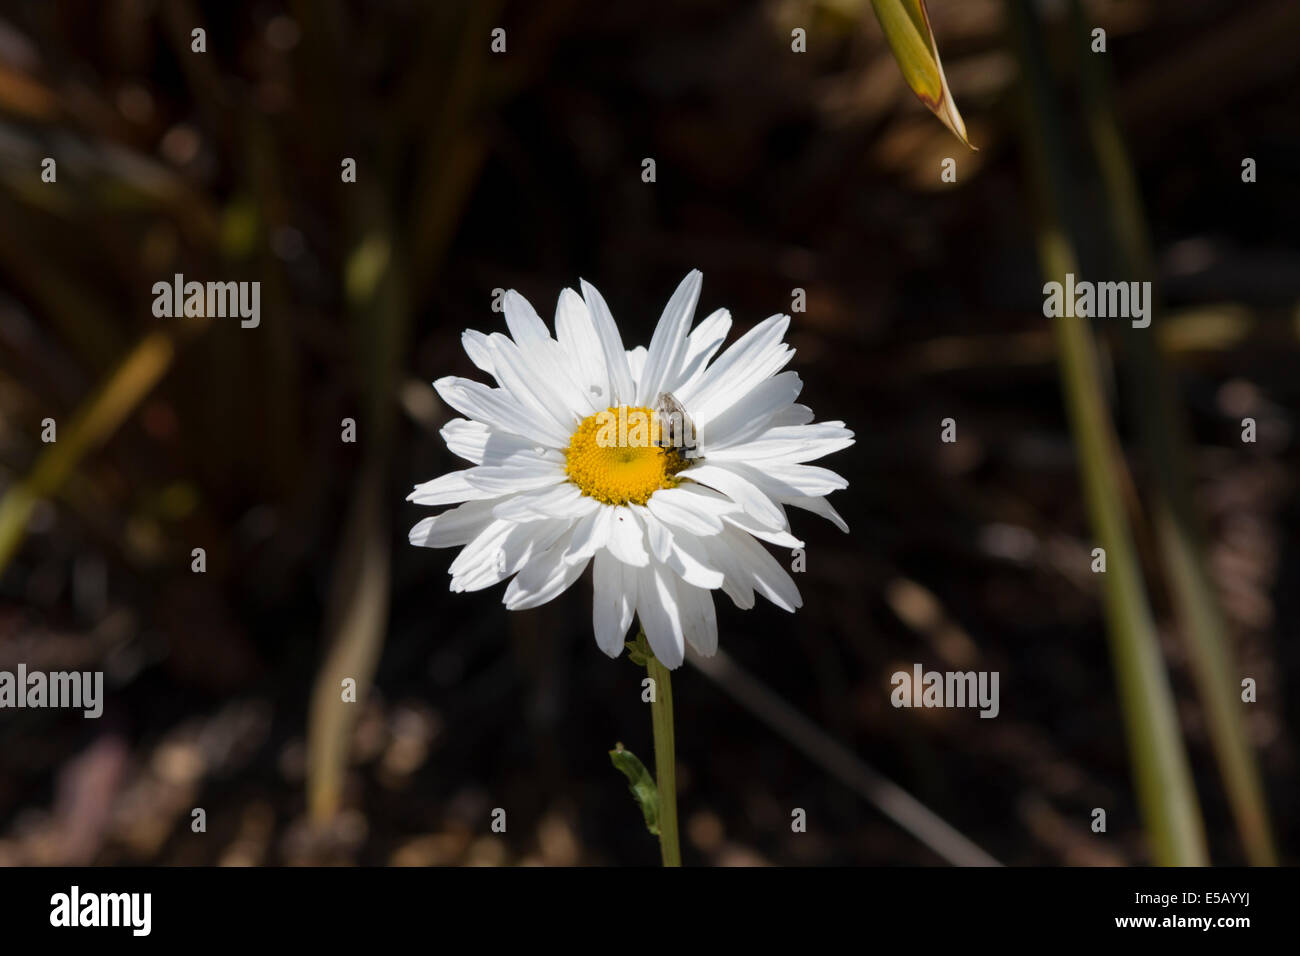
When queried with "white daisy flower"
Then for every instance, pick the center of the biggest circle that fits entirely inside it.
(581, 456)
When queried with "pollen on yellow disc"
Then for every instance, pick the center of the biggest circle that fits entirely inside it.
(613, 457)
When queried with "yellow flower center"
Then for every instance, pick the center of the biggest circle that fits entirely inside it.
(613, 457)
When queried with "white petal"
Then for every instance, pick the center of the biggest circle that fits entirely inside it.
(781, 480)
(740, 489)
(671, 550)
(790, 443)
(656, 606)
(478, 443)
(502, 550)
(611, 343)
(636, 362)
(551, 376)
(691, 569)
(737, 364)
(820, 506)
(699, 620)
(692, 508)
(454, 527)
(765, 573)
(657, 534)
(680, 515)
(668, 344)
(475, 345)
(483, 552)
(451, 488)
(580, 347)
(543, 578)
(737, 579)
(701, 345)
(614, 602)
(747, 522)
(521, 472)
(591, 534)
(556, 501)
(627, 539)
(794, 415)
(742, 381)
(749, 416)
(500, 410)
(526, 378)
(525, 325)
(466, 439)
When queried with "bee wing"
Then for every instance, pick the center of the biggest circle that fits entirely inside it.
(675, 425)
(667, 403)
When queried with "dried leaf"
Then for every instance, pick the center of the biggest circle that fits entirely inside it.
(907, 30)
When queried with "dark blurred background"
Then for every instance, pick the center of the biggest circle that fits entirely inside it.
(774, 171)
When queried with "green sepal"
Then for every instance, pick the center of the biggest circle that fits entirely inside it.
(638, 651)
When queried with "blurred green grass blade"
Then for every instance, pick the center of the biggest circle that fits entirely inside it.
(93, 425)
(377, 283)
(1165, 789)
(1163, 429)
(357, 618)
(1166, 794)
(640, 783)
(906, 25)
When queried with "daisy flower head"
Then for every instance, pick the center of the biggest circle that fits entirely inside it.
(664, 468)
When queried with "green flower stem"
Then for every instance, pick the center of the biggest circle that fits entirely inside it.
(661, 716)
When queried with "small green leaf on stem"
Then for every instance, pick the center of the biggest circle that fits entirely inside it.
(641, 784)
